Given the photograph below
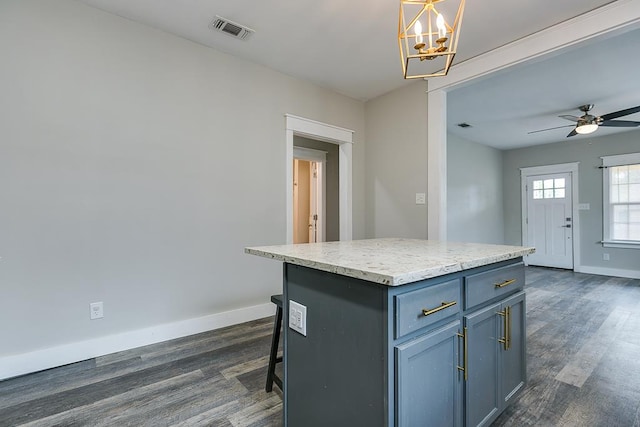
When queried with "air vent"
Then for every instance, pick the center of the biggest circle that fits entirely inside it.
(231, 28)
(464, 125)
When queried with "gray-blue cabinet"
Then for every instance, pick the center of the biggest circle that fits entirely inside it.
(497, 354)
(428, 384)
(445, 351)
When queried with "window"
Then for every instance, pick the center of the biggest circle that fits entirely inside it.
(621, 191)
(549, 188)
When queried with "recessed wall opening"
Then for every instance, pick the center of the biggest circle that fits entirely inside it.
(332, 139)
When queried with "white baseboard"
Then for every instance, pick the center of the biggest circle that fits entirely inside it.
(20, 364)
(603, 271)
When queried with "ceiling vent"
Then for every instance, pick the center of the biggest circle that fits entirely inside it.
(231, 28)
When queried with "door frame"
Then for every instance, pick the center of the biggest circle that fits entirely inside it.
(317, 156)
(571, 168)
(312, 129)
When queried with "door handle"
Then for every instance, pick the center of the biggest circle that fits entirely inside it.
(566, 226)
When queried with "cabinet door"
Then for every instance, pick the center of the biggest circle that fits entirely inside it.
(514, 358)
(428, 388)
(481, 389)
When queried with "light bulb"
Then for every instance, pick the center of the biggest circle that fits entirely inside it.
(442, 30)
(586, 128)
(418, 29)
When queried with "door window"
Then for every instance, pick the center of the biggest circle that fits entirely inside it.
(549, 188)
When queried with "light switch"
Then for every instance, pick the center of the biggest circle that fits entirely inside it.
(298, 317)
(421, 198)
(584, 206)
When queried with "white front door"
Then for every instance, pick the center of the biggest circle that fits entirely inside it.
(549, 220)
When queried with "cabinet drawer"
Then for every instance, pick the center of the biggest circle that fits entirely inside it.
(422, 307)
(488, 285)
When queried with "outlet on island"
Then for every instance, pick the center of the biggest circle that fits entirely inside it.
(298, 317)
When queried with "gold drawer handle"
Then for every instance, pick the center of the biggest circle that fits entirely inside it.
(440, 307)
(505, 283)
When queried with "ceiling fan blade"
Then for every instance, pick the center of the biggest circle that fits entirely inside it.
(544, 130)
(569, 117)
(621, 113)
(620, 123)
(572, 133)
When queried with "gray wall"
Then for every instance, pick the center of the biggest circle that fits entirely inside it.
(396, 154)
(474, 192)
(135, 166)
(332, 174)
(587, 151)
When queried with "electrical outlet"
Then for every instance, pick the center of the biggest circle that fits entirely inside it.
(605, 257)
(298, 317)
(96, 310)
(421, 198)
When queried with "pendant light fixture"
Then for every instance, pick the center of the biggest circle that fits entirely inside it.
(426, 38)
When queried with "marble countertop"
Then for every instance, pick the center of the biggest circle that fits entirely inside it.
(391, 261)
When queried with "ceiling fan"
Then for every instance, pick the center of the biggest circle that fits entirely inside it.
(587, 123)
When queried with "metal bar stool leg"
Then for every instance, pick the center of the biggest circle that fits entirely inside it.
(275, 341)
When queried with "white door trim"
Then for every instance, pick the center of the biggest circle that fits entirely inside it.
(571, 168)
(613, 18)
(324, 132)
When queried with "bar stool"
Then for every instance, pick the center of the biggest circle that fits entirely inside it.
(275, 341)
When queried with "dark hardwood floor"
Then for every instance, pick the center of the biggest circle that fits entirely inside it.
(583, 354)
(583, 370)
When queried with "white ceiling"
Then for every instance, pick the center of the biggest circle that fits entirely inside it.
(503, 107)
(351, 47)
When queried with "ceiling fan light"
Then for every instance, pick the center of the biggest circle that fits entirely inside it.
(586, 128)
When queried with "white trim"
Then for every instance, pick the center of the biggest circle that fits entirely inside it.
(607, 162)
(613, 18)
(621, 159)
(621, 244)
(614, 272)
(618, 16)
(20, 364)
(318, 130)
(309, 154)
(571, 168)
(324, 132)
(437, 166)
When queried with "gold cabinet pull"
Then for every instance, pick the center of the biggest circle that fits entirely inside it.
(505, 328)
(505, 283)
(442, 306)
(507, 334)
(465, 352)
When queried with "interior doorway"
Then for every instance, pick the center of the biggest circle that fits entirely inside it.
(342, 139)
(309, 195)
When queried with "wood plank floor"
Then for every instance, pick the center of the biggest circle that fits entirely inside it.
(583, 370)
(583, 354)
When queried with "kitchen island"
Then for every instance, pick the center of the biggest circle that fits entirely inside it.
(401, 332)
